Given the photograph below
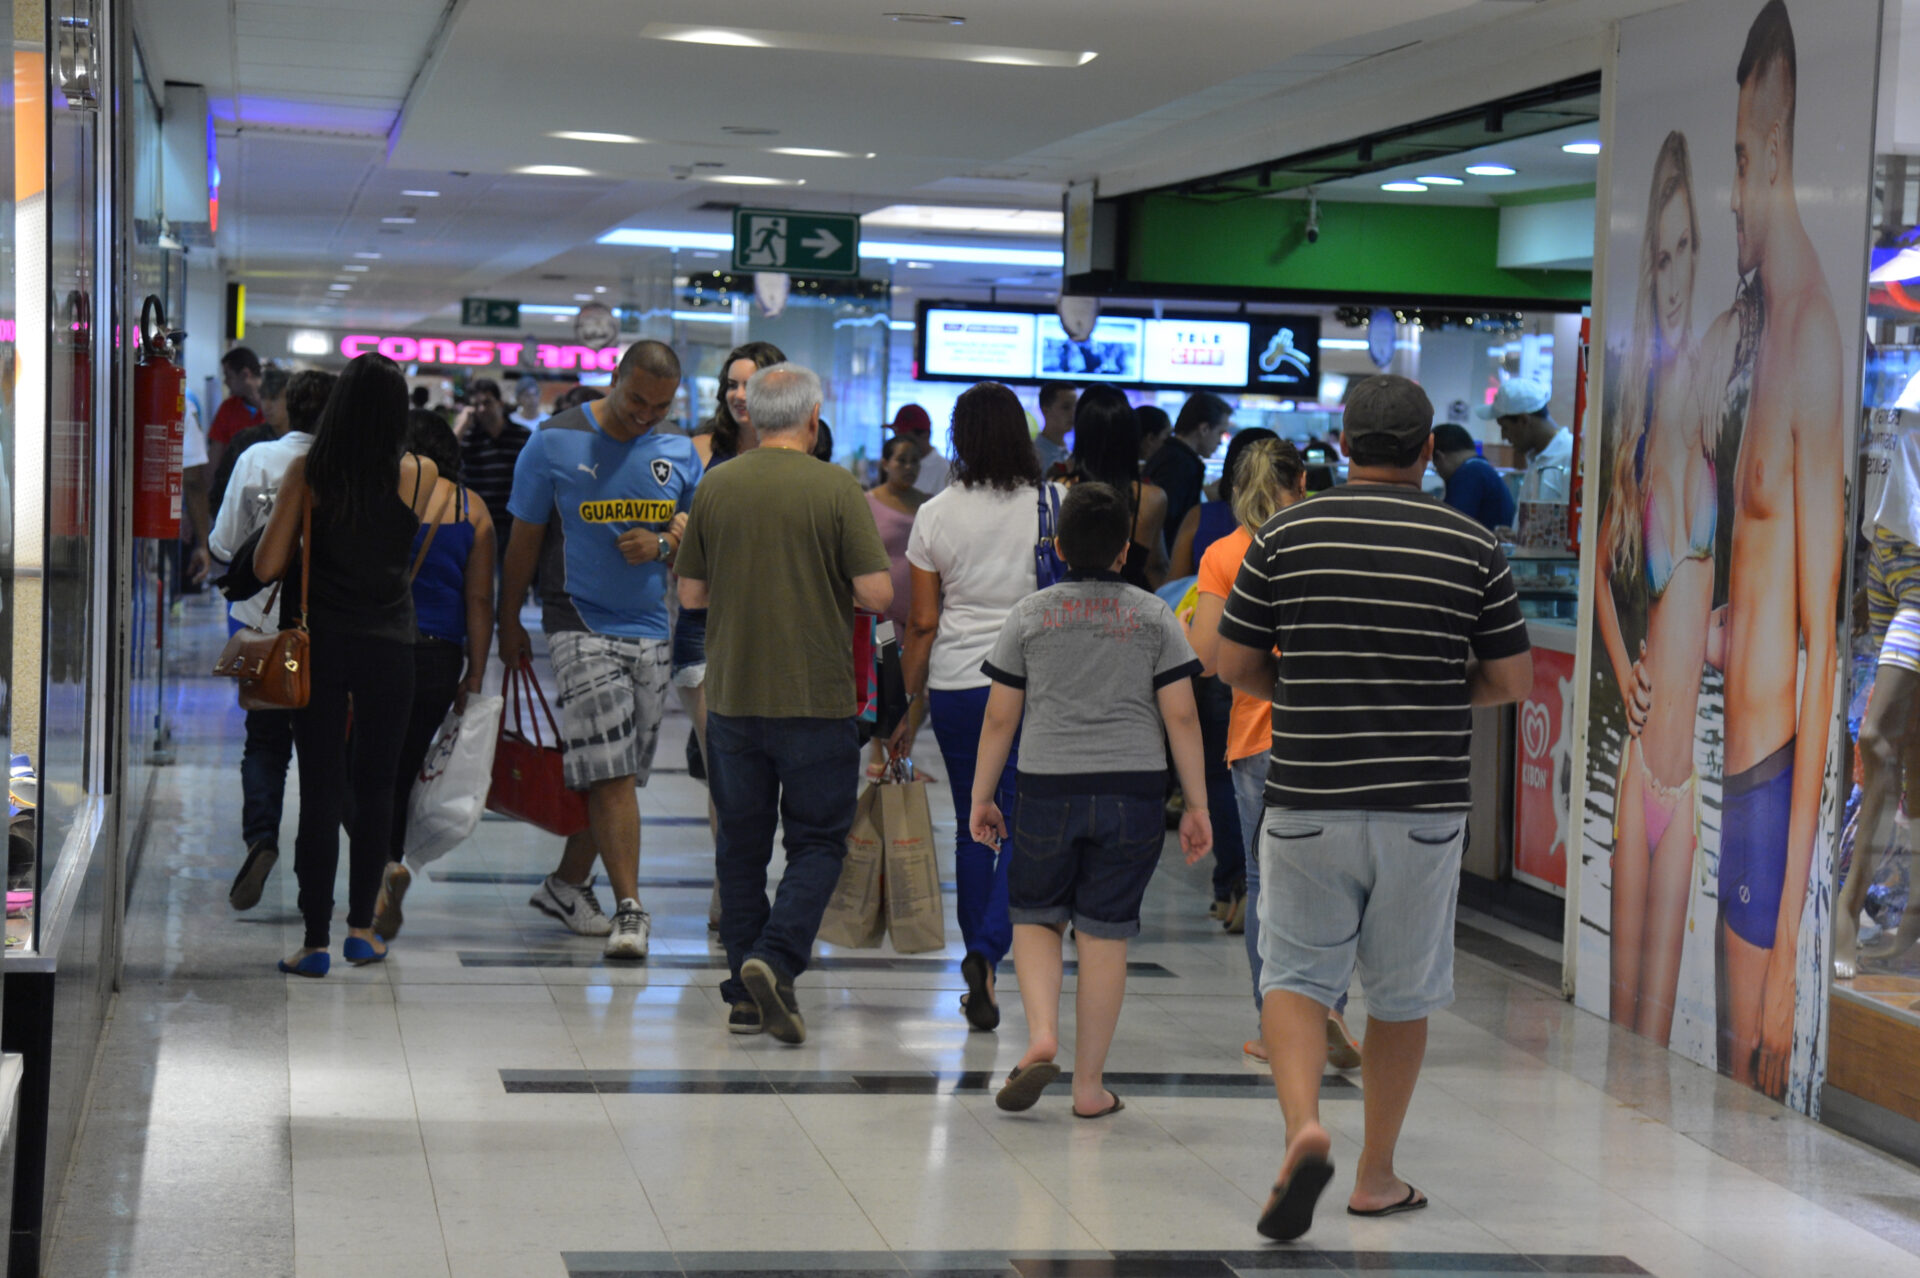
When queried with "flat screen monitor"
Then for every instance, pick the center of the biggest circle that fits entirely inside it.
(1111, 353)
(994, 345)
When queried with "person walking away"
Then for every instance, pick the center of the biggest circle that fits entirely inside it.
(1211, 520)
(780, 550)
(489, 449)
(1474, 487)
(453, 619)
(726, 434)
(912, 423)
(1367, 792)
(1266, 477)
(1542, 445)
(599, 498)
(257, 476)
(1057, 402)
(272, 425)
(1156, 428)
(1180, 467)
(363, 496)
(972, 560)
(240, 373)
(1106, 448)
(1098, 670)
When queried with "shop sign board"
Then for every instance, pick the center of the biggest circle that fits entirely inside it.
(489, 312)
(1543, 773)
(1728, 346)
(477, 352)
(790, 242)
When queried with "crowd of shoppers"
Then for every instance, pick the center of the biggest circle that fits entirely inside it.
(1318, 733)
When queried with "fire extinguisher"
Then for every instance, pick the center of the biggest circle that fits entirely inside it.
(159, 414)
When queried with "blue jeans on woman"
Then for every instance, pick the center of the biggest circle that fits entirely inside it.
(980, 872)
(1250, 797)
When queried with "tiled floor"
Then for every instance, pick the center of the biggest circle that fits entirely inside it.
(495, 1101)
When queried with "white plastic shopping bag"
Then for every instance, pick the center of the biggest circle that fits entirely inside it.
(451, 791)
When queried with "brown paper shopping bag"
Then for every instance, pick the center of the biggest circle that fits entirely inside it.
(915, 914)
(856, 915)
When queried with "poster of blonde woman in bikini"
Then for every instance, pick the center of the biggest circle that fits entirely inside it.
(1741, 159)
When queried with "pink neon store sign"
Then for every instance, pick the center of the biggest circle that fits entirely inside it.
(476, 352)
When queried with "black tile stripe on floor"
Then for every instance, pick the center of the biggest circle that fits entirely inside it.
(1119, 1264)
(754, 1082)
(717, 963)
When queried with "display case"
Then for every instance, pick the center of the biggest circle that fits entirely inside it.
(1548, 584)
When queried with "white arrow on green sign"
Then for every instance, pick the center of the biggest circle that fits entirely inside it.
(796, 243)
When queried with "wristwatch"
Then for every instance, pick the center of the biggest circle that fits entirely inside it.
(666, 548)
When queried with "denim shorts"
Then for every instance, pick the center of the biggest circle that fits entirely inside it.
(1084, 859)
(690, 648)
(1374, 890)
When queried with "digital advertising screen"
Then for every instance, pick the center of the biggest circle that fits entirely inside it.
(1284, 355)
(1182, 352)
(990, 345)
(1111, 352)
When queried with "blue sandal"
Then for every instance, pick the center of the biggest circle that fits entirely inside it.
(360, 953)
(315, 964)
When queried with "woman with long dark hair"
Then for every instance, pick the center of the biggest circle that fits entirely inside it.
(971, 553)
(453, 615)
(1106, 447)
(729, 432)
(365, 496)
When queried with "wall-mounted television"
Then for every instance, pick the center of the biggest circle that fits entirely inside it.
(1265, 354)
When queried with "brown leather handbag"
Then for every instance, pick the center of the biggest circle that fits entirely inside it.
(273, 669)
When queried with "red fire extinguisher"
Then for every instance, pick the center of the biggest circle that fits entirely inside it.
(159, 414)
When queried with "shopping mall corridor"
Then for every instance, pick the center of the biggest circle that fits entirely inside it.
(498, 1102)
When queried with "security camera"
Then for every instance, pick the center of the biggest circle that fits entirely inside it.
(1313, 218)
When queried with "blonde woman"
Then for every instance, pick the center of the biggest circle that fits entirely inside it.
(1264, 479)
(1657, 546)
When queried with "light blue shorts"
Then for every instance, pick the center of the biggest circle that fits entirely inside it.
(1373, 890)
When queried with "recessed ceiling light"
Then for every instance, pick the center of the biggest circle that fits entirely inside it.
(583, 297)
(577, 135)
(746, 179)
(424, 195)
(816, 153)
(339, 288)
(553, 170)
(599, 288)
(1582, 148)
(399, 221)
(369, 256)
(1491, 170)
(354, 266)
(713, 35)
(1410, 187)
(929, 19)
(1437, 179)
(919, 266)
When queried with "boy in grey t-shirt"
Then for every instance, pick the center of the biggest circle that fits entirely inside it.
(1097, 666)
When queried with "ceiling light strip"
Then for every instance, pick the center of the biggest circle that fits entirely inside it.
(866, 46)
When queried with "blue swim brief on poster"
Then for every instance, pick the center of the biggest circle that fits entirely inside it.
(1754, 807)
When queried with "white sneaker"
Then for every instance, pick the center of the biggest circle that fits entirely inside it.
(631, 928)
(577, 907)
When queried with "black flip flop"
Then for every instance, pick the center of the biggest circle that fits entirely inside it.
(1291, 1214)
(1022, 1089)
(1414, 1201)
(1114, 1108)
(982, 1012)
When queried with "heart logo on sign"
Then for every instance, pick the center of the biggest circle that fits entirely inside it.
(1534, 729)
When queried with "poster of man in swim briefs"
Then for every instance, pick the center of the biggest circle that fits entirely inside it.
(1740, 169)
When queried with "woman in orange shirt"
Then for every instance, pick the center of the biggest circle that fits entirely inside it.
(1267, 478)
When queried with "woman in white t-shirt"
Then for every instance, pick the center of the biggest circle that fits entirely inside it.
(971, 554)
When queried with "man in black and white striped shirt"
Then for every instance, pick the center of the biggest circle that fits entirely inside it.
(1394, 615)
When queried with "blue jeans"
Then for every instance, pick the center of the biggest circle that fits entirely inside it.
(1249, 795)
(980, 874)
(799, 773)
(263, 774)
(1214, 701)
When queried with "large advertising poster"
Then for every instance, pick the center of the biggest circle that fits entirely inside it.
(1741, 162)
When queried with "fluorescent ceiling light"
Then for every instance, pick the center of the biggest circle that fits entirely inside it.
(866, 46)
(962, 219)
(543, 308)
(1438, 179)
(702, 317)
(553, 170)
(583, 297)
(399, 221)
(306, 341)
(1411, 187)
(1491, 170)
(572, 135)
(371, 257)
(599, 288)
(339, 288)
(354, 266)
(423, 195)
(1582, 148)
(746, 179)
(815, 153)
(919, 266)
(644, 237)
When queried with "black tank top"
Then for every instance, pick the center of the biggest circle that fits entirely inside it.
(360, 584)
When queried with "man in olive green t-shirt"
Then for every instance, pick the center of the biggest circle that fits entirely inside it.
(780, 548)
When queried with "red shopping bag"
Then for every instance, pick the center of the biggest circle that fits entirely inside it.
(529, 783)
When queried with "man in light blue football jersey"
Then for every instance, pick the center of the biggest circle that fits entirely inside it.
(599, 502)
